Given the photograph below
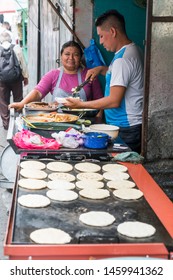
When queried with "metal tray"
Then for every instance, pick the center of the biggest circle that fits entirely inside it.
(44, 117)
(41, 106)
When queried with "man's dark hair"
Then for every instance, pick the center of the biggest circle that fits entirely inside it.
(71, 44)
(111, 18)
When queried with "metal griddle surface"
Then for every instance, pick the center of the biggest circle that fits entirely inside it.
(65, 216)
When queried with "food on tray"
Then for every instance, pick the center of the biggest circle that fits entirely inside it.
(41, 106)
(62, 195)
(33, 173)
(61, 176)
(51, 117)
(59, 166)
(94, 193)
(116, 175)
(87, 167)
(32, 184)
(114, 167)
(88, 183)
(33, 200)
(33, 164)
(120, 184)
(50, 236)
(128, 194)
(60, 185)
(97, 218)
(136, 229)
(89, 176)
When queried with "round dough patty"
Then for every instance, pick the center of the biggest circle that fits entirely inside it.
(60, 185)
(116, 175)
(59, 166)
(33, 173)
(136, 229)
(84, 184)
(87, 167)
(89, 176)
(128, 194)
(63, 195)
(50, 236)
(32, 164)
(114, 167)
(61, 176)
(32, 184)
(33, 200)
(94, 193)
(97, 218)
(120, 184)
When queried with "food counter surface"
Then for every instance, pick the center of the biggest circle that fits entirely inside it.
(47, 133)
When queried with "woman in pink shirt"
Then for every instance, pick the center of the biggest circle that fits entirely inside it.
(59, 82)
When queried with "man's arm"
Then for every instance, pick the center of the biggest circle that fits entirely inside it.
(111, 101)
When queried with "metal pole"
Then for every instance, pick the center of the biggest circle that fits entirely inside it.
(66, 24)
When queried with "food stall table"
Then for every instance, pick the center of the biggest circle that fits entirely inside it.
(153, 208)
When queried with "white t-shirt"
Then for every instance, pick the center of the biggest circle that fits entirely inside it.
(127, 71)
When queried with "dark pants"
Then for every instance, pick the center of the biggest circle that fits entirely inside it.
(5, 90)
(132, 137)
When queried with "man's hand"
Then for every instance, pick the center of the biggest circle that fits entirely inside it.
(92, 73)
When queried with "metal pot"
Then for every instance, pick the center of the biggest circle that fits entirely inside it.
(96, 140)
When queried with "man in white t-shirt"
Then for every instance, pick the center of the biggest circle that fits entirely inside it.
(123, 99)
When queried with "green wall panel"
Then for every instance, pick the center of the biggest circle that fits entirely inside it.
(135, 18)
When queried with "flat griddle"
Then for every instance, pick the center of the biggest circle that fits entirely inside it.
(65, 215)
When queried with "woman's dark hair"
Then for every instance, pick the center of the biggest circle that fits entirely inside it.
(111, 18)
(71, 44)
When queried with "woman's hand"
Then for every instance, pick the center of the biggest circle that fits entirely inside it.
(18, 106)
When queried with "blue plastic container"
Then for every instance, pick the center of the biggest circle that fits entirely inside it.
(96, 140)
